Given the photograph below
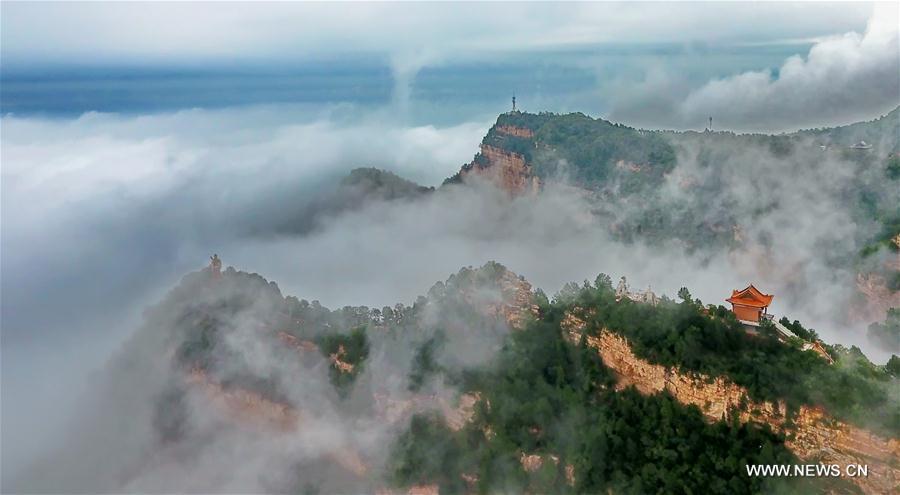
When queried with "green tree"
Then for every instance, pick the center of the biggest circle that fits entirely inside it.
(893, 366)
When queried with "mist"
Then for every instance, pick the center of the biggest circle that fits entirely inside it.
(104, 213)
(127, 205)
(111, 211)
(840, 79)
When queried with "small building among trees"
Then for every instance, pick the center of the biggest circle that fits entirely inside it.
(750, 304)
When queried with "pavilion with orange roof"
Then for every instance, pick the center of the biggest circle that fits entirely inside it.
(750, 304)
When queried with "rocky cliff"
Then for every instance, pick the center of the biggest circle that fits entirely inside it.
(811, 434)
(492, 291)
(878, 296)
(516, 303)
(508, 299)
(244, 405)
(249, 408)
(511, 130)
(506, 169)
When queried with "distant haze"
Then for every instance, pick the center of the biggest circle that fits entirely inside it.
(752, 67)
(138, 139)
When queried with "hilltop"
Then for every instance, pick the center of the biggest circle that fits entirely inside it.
(802, 203)
(589, 150)
(721, 192)
(485, 383)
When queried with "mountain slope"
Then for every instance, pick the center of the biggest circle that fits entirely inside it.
(482, 384)
(881, 133)
(587, 151)
(803, 203)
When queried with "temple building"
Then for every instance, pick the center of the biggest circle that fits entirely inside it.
(750, 305)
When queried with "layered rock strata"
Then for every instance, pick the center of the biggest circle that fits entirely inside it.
(811, 434)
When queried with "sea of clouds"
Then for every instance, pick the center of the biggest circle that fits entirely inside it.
(103, 213)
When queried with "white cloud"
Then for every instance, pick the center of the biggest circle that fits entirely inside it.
(843, 79)
(103, 213)
(176, 32)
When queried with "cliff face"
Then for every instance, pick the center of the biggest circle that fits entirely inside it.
(879, 298)
(505, 169)
(813, 436)
(518, 303)
(246, 406)
(512, 303)
(510, 130)
(249, 408)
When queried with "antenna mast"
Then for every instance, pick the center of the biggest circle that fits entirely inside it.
(514, 102)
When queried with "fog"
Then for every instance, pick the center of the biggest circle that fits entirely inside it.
(843, 78)
(88, 34)
(104, 213)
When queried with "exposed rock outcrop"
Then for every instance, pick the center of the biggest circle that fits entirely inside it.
(413, 490)
(514, 304)
(246, 406)
(819, 349)
(533, 462)
(511, 130)
(518, 300)
(811, 434)
(298, 344)
(879, 298)
(392, 410)
(338, 362)
(505, 169)
(457, 417)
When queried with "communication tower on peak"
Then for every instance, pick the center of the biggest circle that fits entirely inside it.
(514, 102)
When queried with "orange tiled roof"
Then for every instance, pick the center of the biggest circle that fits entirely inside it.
(751, 296)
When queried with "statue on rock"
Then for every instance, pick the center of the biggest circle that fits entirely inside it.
(215, 266)
(622, 289)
